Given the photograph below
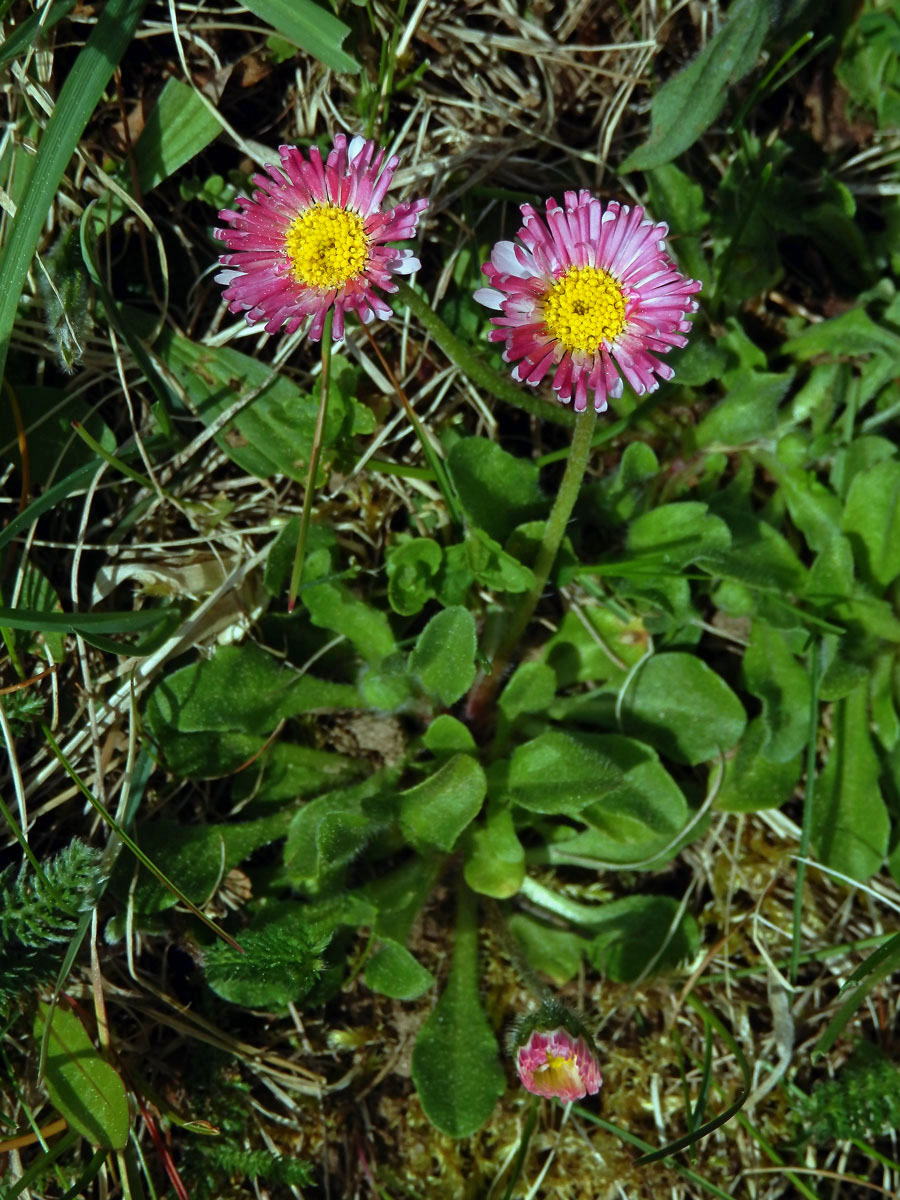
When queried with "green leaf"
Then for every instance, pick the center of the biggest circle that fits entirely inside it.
(241, 690)
(494, 567)
(748, 413)
(554, 952)
(454, 1061)
(682, 707)
(688, 103)
(675, 535)
(772, 674)
(32, 31)
(853, 334)
(280, 964)
(446, 735)
(412, 568)
(560, 773)
(310, 27)
(751, 782)
(530, 690)
(435, 812)
(334, 606)
(638, 819)
(872, 523)
(636, 934)
(330, 831)
(850, 823)
(495, 858)
(177, 128)
(602, 647)
(393, 971)
(497, 490)
(83, 1087)
(444, 654)
(83, 88)
(273, 433)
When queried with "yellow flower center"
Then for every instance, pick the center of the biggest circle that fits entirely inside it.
(327, 245)
(584, 308)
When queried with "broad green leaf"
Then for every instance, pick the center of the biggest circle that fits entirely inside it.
(850, 823)
(234, 700)
(196, 858)
(447, 735)
(83, 1087)
(495, 567)
(676, 534)
(273, 433)
(759, 555)
(388, 686)
(281, 961)
(853, 333)
(688, 103)
(636, 935)
(81, 91)
(601, 647)
(47, 416)
(638, 819)
(310, 27)
(495, 858)
(454, 1062)
(399, 895)
(330, 831)
(334, 606)
(554, 952)
(772, 674)
(814, 509)
(748, 413)
(882, 700)
(177, 128)
(751, 782)
(530, 690)
(435, 812)
(872, 523)
(560, 773)
(682, 707)
(444, 654)
(288, 772)
(393, 971)
(497, 490)
(412, 568)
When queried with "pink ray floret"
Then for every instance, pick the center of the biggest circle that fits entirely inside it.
(555, 1064)
(619, 251)
(261, 276)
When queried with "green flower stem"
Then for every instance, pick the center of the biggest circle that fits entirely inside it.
(480, 372)
(306, 511)
(554, 531)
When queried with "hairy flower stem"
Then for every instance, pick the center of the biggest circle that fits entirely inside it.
(485, 686)
(306, 511)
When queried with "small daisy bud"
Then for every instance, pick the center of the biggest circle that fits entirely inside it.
(555, 1055)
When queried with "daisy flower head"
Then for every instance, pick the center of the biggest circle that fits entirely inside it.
(315, 236)
(555, 1055)
(590, 295)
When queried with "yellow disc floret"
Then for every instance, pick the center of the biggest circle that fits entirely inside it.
(585, 308)
(327, 245)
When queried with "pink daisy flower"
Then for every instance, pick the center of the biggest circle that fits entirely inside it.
(314, 237)
(591, 292)
(555, 1063)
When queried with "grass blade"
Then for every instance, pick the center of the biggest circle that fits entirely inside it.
(79, 96)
